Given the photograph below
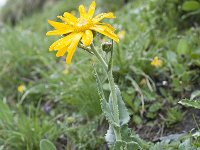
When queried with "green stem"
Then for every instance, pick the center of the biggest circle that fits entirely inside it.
(96, 53)
(85, 48)
(113, 90)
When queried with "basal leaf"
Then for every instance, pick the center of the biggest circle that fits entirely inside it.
(110, 136)
(186, 145)
(46, 145)
(190, 103)
(133, 145)
(183, 47)
(119, 145)
(191, 5)
(195, 94)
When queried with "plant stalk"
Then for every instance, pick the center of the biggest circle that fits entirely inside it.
(96, 53)
(113, 90)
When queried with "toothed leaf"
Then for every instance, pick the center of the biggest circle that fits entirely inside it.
(123, 112)
(104, 104)
(190, 103)
(110, 136)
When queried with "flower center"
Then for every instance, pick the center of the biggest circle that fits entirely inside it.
(82, 25)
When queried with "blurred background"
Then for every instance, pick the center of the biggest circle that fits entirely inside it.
(41, 97)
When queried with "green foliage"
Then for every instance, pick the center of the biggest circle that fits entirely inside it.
(24, 132)
(182, 47)
(104, 104)
(27, 57)
(164, 28)
(174, 115)
(86, 136)
(177, 142)
(46, 145)
(195, 95)
(196, 139)
(190, 103)
(121, 127)
(108, 111)
(191, 5)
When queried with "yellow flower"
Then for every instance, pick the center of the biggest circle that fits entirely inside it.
(121, 34)
(156, 62)
(21, 88)
(76, 29)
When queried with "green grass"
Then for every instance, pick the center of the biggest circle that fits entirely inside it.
(21, 130)
(70, 91)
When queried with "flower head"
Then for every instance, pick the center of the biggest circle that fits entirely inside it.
(79, 29)
(21, 88)
(156, 62)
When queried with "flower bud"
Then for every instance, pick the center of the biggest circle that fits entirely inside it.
(106, 47)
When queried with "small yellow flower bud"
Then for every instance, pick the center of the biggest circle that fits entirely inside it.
(156, 62)
(21, 88)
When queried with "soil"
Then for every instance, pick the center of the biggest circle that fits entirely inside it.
(160, 130)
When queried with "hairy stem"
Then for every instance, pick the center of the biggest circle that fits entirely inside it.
(85, 48)
(96, 53)
(108, 70)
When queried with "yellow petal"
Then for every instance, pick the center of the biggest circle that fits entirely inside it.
(70, 17)
(108, 25)
(60, 42)
(91, 10)
(59, 32)
(61, 52)
(51, 48)
(102, 16)
(66, 20)
(82, 11)
(106, 31)
(72, 47)
(58, 25)
(87, 38)
(65, 42)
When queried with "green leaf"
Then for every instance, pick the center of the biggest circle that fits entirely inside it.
(137, 119)
(122, 145)
(190, 5)
(186, 145)
(2, 147)
(130, 138)
(133, 145)
(195, 94)
(104, 104)
(123, 112)
(157, 146)
(155, 107)
(46, 145)
(182, 47)
(190, 103)
(171, 56)
(119, 145)
(5, 114)
(110, 136)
